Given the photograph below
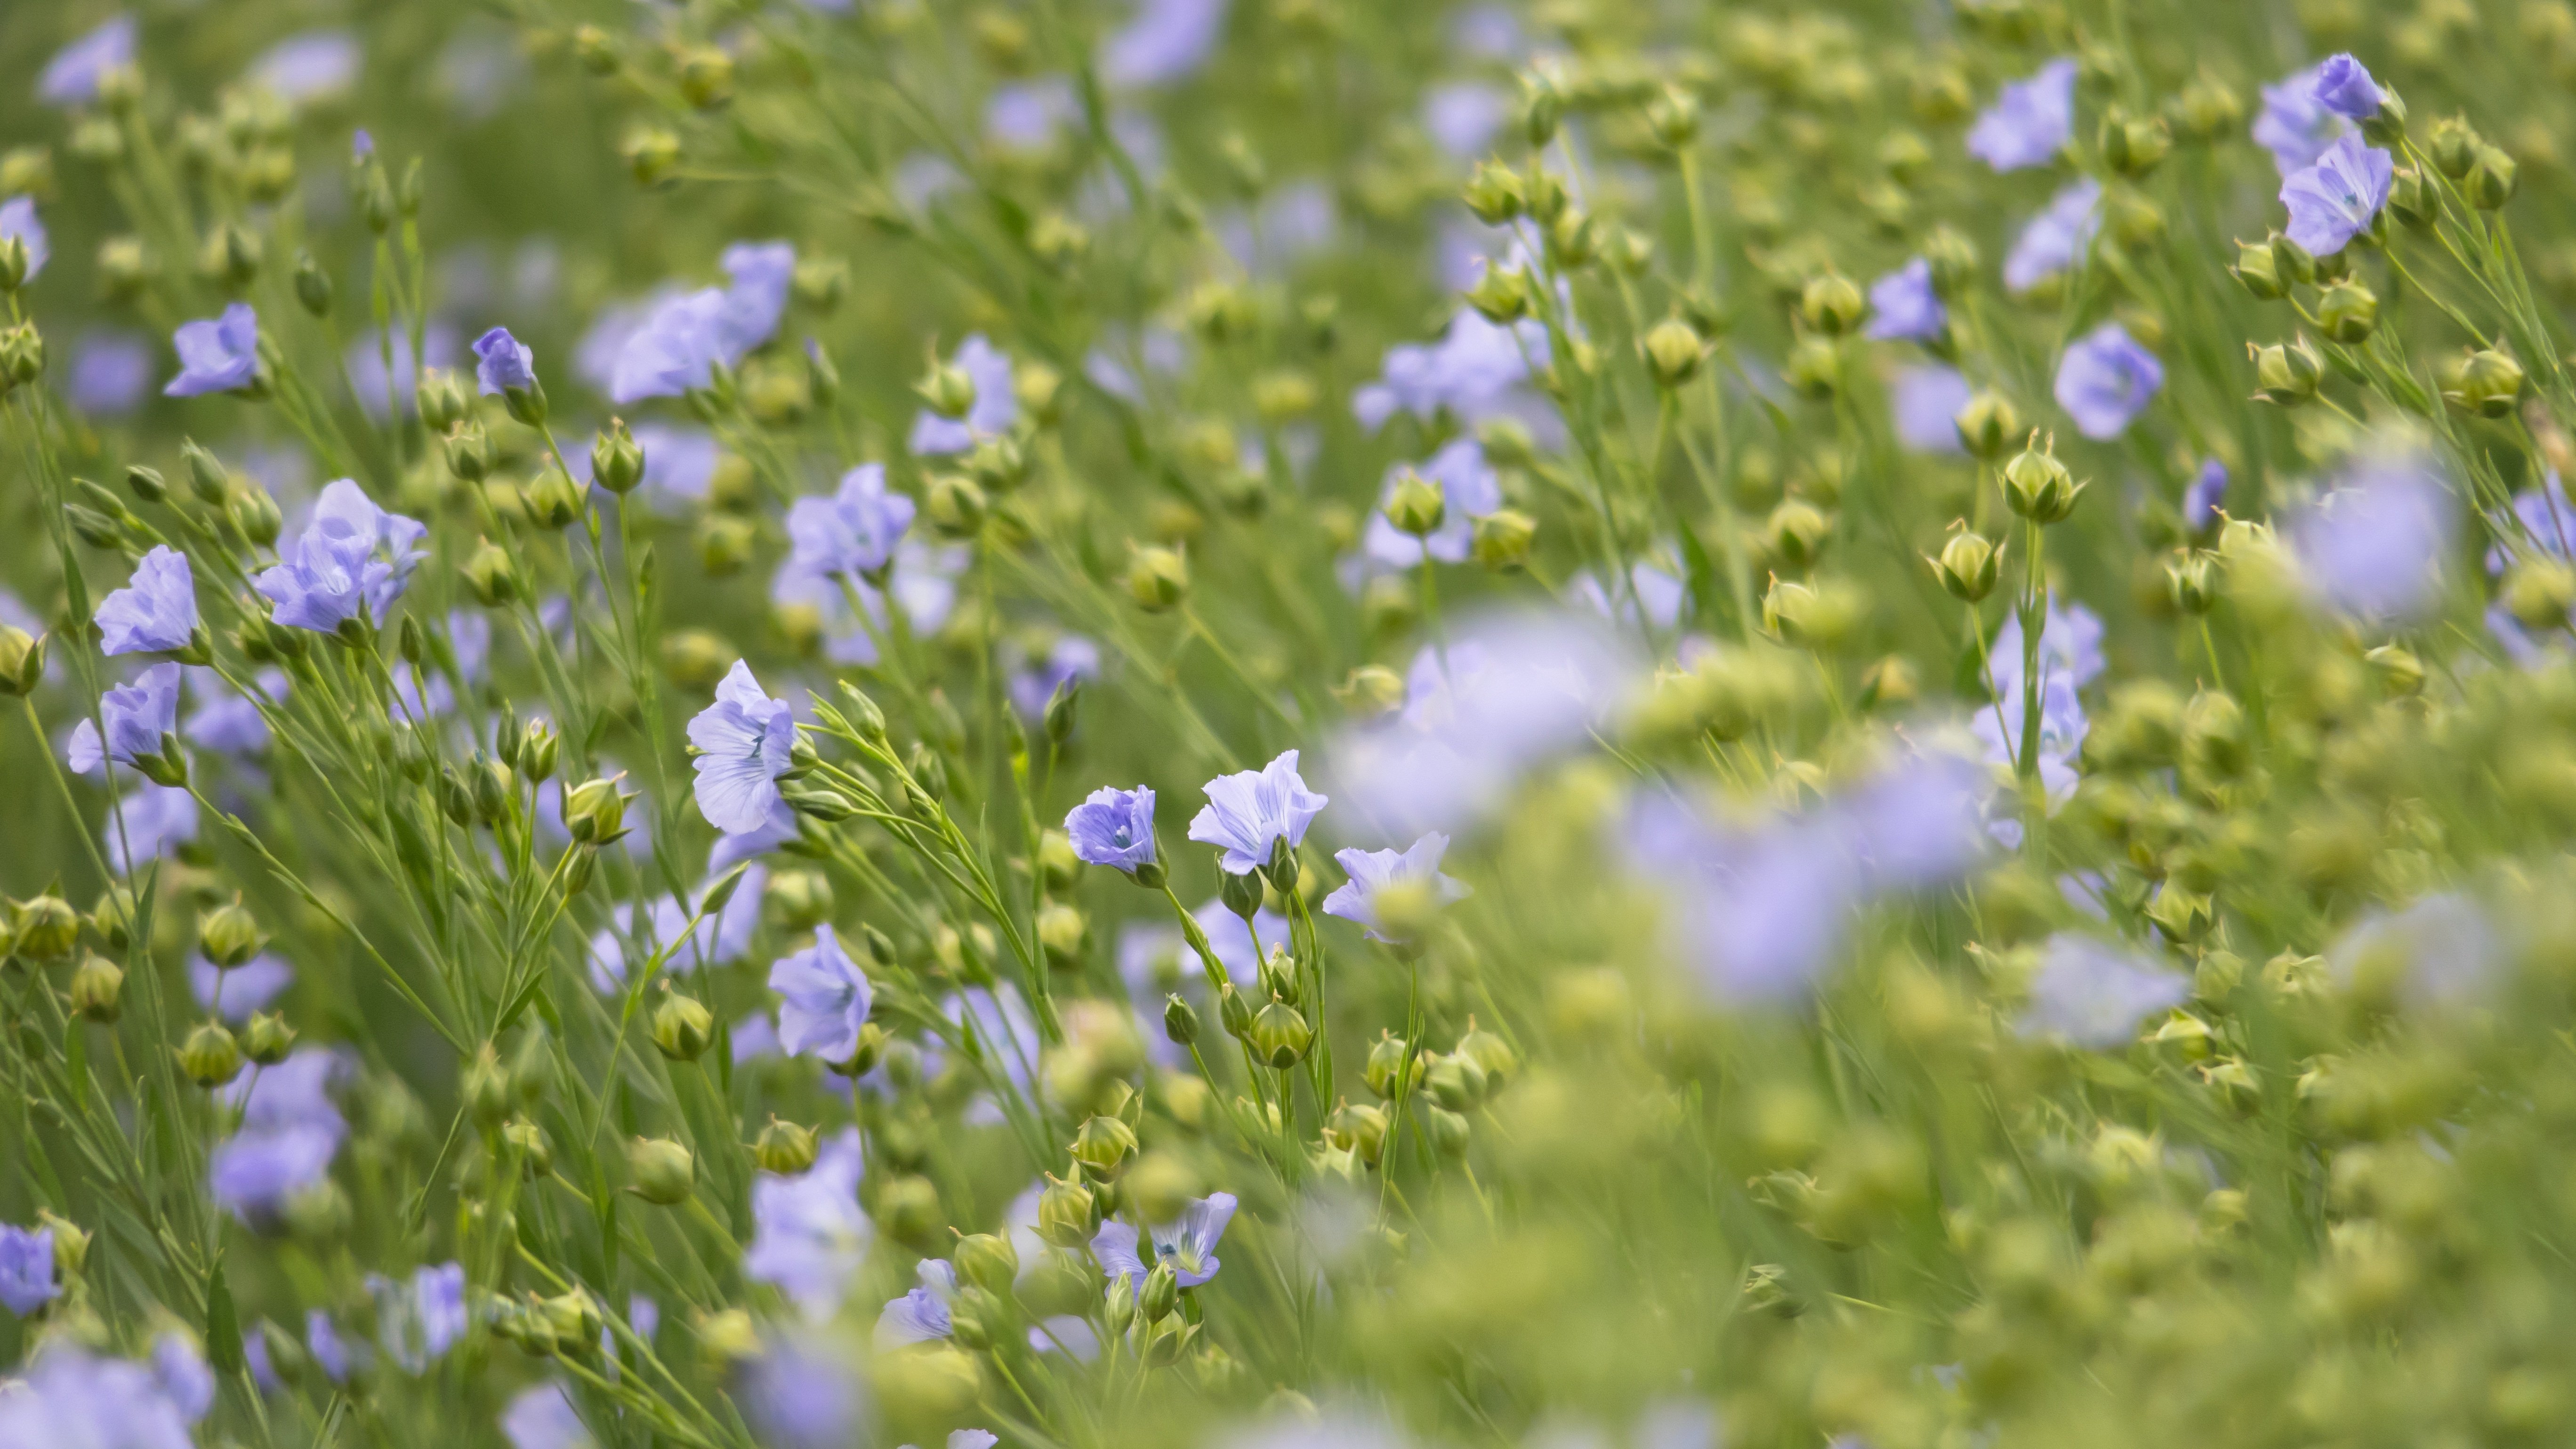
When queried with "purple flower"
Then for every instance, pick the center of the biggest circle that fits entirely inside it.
(808, 1235)
(2094, 994)
(1168, 40)
(922, 582)
(825, 1000)
(543, 1417)
(1654, 596)
(722, 937)
(1065, 660)
(309, 67)
(783, 826)
(146, 822)
(2202, 500)
(1915, 824)
(1463, 117)
(2294, 125)
(1371, 872)
(1188, 1244)
(2373, 547)
(1469, 489)
(2055, 239)
(350, 553)
(18, 218)
(2030, 121)
(1237, 944)
(505, 364)
(2443, 949)
(803, 1397)
(420, 1320)
(995, 408)
(110, 371)
(294, 1093)
(1757, 911)
(233, 993)
(852, 533)
(228, 723)
(256, 1173)
(1903, 306)
(137, 715)
(157, 609)
(218, 354)
(183, 1374)
(362, 145)
(676, 350)
(1114, 828)
(1475, 371)
(332, 1354)
(2070, 645)
(2339, 197)
(70, 1398)
(2105, 380)
(744, 741)
(761, 273)
(2062, 726)
(2344, 87)
(72, 76)
(1249, 812)
(26, 1268)
(1027, 115)
(921, 1315)
(1926, 402)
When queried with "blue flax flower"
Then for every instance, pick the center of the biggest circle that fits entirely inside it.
(503, 364)
(111, 371)
(1038, 674)
(1904, 308)
(421, 1319)
(255, 1174)
(1114, 828)
(1188, 1243)
(1168, 40)
(824, 1000)
(853, 532)
(2056, 238)
(543, 1417)
(26, 1268)
(2094, 994)
(2344, 87)
(311, 66)
(70, 1398)
(18, 218)
(2443, 949)
(2339, 197)
(1469, 489)
(230, 723)
(995, 408)
(218, 354)
(71, 78)
(1248, 813)
(2030, 121)
(2294, 125)
(804, 1395)
(351, 554)
(760, 273)
(2206, 495)
(1925, 402)
(808, 1235)
(156, 611)
(921, 1315)
(137, 715)
(1373, 871)
(332, 1354)
(2373, 547)
(183, 1373)
(2106, 379)
(745, 741)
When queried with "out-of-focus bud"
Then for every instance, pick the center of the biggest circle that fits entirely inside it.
(595, 50)
(2492, 180)
(1062, 932)
(616, 463)
(2454, 146)
(1417, 505)
(1832, 304)
(2037, 486)
(2348, 311)
(2485, 382)
(987, 1261)
(1572, 239)
(1456, 1082)
(312, 285)
(651, 153)
(946, 388)
(682, 1027)
(71, 1243)
(45, 928)
(231, 255)
(98, 989)
(536, 1154)
(955, 506)
(2206, 109)
(1067, 1213)
(1494, 193)
(2191, 582)
(2287, 374)
(1673, 350)
(1158, 578)
(2538, 591)
(489, 575)
(1815, 369)
(725, 544)
(2399, 672)
(1390, 1057)
(1501, 294)
(1542, 108)
(2291, 262)
(1502, 539)
(1103, 1146)
(554, 499)
(663, 1172)
(1180, 1022)
(1967, 566)
(2258, 270)
(785, 1148)
(210, 1056)
(1673, 118)
(1796, 533)
(2411, 199)
(228, 936)
(706, 77)
(267, 1039)
(2133, 145)
(468, 450)
(22, 661)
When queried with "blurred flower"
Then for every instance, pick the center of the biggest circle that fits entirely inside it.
(684, 338)
(1114, 828)
(388, 390)
(18, 219)
(1926, 402)
(478, 72)
(824, 1000)
(2056, 238)
(1334, 1426)
(254, 1174)
(111, 370)
(503, 364)
(1035, 677)
(147, 821)
(543, 1417)
(236, 993)
(2094, 994)
(1373, 872)
(420, 1320)
(2070, 645)
(808, 1235)
(155, 612)
(333, 1355)
(2440, 950)
(2294, 125)
(995, 408)
(921, 1314)
(852, 533)
(1654, 597)
(1026, 115)
(1469, 490)
(923, 583)
(1903, 306)
(1475, 371)
(2344, 87)
(744, 740)
(718, 938)
(1188, 1243)
(803, 1397)
(71, 77)
(2105, 380)
(136, 715)
(216, 355)
(26, 1268)
(1294, 221)
(1463, 117)
(73, 1400)
(1166, 41)
(760, 274)
(2062, 727)
(310, 67)
(2373, 547)
(2336, 199)
(1758, 912)
(183, 1374)
(1248, 812)
(2201, 501)
(2031, 120)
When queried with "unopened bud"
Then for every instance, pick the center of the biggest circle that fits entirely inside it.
(210, 1056)
(664, 1172)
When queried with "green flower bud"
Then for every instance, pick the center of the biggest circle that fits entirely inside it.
(1501, 294)
(1456, 1082)
(312, 285)
(22, 661)
(97, 989)
(2190, 581)
(1494, 193)
(1449, 1131)
(682, 1027)
(2182, 915)
(1417, 505)
(554, 499)
(1158, 578)
(664, 1172)
(1062, 934)
(2206, 109)
(651, 153)
(2399, 672)
(535, 1152)
(946, 388)
(987, 1261)
(1180, 1023)
(468, 450)
(1067, 1213)
(2258, 270)
(616, 461)
(210, 1056)
(1673, 350)
(489, 575)
(255, 513)
(1160, 1295)
(2133, 145)
(2454, 146)
(866, 1053)
(71, 1243)
(2291, 262)
(1572, 240)
(2411, 199)
(231, 255)
(954, 505)
(487, 1088)
(1832, 304)
(2538, 592)
(2037, 486)
(267, 1039)
(1967, 566)
(1280, 1036)
(45, 928)
(1502, 539)
(1542, 108)
(2287, 375)
(1815, 368)
(1797, 532)
(2486, 382)
(1392, 1055)
(1489, 1051)
(706, 77)
(2492, 180)
(1102, 1147)
(228, 935)
(2349, 312)
(785, 1148)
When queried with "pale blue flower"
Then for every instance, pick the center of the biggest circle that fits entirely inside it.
(1477, 370)
(2094, 994)
(156, 612)
(1166, 41)
(1463, 117)
(2294, 125)
(219, 354)
(2443, 949)
(71, 78)
(1188, 1244)
(853, 533)
(26, 1268)
(1904, 307)
(2339, 197)
(234, 993)
(1925, 402)
(760, 275)
(2373, 547)
(137, 715)
(2030, 122)
(921, 1315)
(313, 66)
(71, 1400)
(1114, 828)
(2106, 379)
(808, 1235)
(2206, 495)
(824, 1000)
(2344, 86)
(995, 409)
(2056, 239)
(18, 218)
(1248, 813)
(419, 1320)
(543, 1417)
(148, 821)
(744, 741)
(1469, 489)
(253, 1175)
(675, 351)
(110, 372)
(183, 1373)
(804, 1396)
(504, 364)
(1035, 678)
(1371, 872)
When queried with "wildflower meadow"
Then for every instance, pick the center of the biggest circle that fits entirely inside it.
(1287, 724)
